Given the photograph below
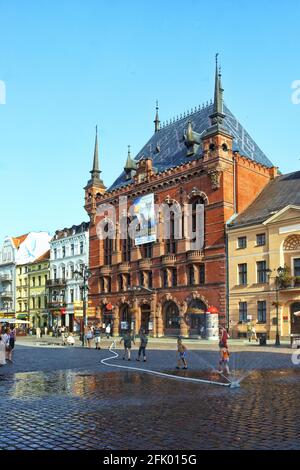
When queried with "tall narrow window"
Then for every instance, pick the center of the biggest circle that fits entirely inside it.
(191, 275)
(171, 242)
(150, 280)
(201, 274)
(243, 311)
(261, 267)
(196, 203)
(165, 278)
(242, 274)
(174, 277)
(296, 267)
(262, 311)
(108, 248)
(81, 248)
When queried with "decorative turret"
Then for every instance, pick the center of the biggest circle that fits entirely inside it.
(130, 165)
(216, 140)
(156, 120)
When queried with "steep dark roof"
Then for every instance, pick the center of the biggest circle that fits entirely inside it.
(74, 230)
(279, 193)
(167, 148)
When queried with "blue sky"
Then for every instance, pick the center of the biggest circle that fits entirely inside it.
(69, 64)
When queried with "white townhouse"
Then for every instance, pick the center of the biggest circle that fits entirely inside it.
(69, 252)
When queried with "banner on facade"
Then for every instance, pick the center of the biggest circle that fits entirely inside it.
(143, 209)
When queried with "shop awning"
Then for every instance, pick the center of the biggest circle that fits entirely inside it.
(22, 316)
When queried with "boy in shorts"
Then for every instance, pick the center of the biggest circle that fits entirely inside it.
(181, 354)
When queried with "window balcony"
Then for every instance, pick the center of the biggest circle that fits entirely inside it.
(145, 263)
(54, 282)
(168, 260)
(106, 270)
(195, 256)
(7, 294)
(124, 267)
(5, 278)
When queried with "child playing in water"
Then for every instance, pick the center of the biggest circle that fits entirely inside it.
(224, 361)
(181, 354)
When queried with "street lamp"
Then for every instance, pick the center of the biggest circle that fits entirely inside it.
(280, 271)
(84, 274)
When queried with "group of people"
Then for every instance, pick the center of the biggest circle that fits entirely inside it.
(94, 333)
(7, 344)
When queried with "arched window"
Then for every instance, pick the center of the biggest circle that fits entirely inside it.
(108, 247)
(171, 242)
(172, 318)
(197, 204)
(126, 244)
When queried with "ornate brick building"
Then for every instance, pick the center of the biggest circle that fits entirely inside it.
(204, 156)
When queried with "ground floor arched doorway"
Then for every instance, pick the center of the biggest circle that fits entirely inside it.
(145, 317)
(171, 318)
(196, 318)
(125, 318)
(295, 318)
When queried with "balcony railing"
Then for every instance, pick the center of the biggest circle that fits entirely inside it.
(55, 282)
(5, 277)
(124, 267)
(195, 256)
(145, 263)
(6, 294)
(105, 270)
(168, 260)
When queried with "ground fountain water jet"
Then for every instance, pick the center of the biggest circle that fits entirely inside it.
(229, 383)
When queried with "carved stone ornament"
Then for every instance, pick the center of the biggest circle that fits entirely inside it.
(215, 178)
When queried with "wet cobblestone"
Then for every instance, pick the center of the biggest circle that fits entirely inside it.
(92, 407)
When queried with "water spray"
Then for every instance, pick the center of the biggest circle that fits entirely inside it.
(230, 384)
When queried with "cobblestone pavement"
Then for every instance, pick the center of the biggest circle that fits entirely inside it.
(55, 398)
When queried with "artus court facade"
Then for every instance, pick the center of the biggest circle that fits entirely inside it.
(206, 157)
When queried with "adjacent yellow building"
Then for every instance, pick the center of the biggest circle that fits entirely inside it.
(264, 262)
(38, 274)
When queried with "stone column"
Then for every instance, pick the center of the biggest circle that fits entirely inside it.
(184, 329)
(159, 321)
(116, 321)
(152, 315)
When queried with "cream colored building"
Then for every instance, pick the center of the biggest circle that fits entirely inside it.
(265, 237)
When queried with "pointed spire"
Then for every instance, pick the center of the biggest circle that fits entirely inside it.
(95, 172)
(156, 120)
(217, 116)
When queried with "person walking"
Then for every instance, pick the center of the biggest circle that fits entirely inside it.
(45, 330)
(128, 338)
(97, 336)
(2, 350)
(224, 361)
(143, 345)
(38, 332)
(10, 343)
(181, 349)
(89, 337)
(108, 330)
(253, 333)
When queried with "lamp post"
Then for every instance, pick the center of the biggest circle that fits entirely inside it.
(279, 270)
(277, 278)
(84, 274)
